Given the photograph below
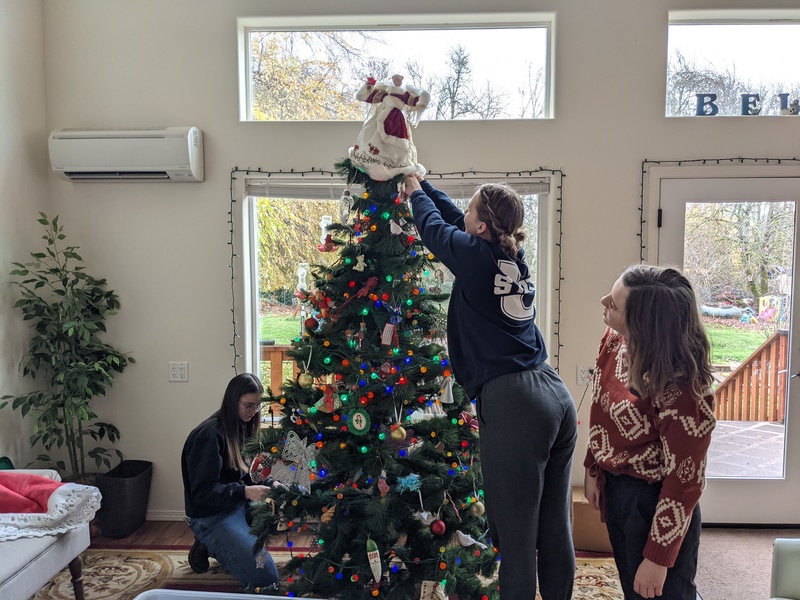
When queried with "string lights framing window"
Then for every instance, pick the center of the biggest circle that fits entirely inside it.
(279, 227)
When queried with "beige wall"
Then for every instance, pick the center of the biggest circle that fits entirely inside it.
(23, 193)
(163, 247)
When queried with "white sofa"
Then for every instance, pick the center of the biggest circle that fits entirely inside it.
(785, 577)
(29, 563)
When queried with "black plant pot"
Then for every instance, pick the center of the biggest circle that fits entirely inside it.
(126, 491)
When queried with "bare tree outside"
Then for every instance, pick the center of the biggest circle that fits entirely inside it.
(313, 75)
(739, 250)
(729, 61)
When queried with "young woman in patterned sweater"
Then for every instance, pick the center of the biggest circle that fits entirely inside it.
(650, 427)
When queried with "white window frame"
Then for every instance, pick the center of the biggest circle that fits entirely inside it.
(519, 20)
(324, 186)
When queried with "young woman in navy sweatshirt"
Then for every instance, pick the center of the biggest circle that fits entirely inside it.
(528, 424)
(217, 488)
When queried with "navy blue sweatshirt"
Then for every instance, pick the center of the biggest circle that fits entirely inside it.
(209, 487)
(490, 320)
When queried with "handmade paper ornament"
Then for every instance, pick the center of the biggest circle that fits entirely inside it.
(467, 540)
(446, 395)
(425, 517)
(295, 466)
(374, 558)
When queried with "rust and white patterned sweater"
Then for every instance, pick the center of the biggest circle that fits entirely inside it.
(629, 435)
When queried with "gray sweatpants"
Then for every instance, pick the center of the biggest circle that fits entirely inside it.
(528, 431)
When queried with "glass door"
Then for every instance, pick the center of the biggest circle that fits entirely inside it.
(736, 240)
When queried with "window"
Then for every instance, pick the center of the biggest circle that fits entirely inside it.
(474, 67)
(732, 63)
(286, 215)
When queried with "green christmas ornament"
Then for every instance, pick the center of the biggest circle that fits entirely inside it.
(359, 421)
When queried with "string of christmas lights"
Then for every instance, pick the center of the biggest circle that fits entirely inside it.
(740, 160)
(558, 184)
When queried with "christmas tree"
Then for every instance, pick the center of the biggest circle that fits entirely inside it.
(376, 453)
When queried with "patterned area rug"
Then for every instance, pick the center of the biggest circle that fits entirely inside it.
(122, 574)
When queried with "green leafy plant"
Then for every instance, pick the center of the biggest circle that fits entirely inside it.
(67, 308)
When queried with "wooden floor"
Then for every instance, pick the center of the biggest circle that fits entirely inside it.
(152, 533)
(176, 533)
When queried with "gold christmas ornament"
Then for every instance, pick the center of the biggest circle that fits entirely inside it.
(398, 434)
(477, 509)
(304, 380)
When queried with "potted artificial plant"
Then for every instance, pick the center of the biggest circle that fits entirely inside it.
(67, 309)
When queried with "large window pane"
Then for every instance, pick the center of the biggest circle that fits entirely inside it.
(471, 73)
(728, 60)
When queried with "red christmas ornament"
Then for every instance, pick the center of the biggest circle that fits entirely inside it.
(311, 324)
(328, 245)
(438, 527)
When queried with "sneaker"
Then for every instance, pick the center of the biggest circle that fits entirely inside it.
(198, 557)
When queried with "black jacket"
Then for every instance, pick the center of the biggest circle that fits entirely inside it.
(209, 487)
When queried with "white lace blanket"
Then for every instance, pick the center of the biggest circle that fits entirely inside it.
(69, 506)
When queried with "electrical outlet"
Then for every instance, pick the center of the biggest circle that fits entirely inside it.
(585, 374)
(179, 371)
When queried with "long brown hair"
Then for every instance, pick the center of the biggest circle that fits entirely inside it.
(666, 340)
(235, 430)
(502, 210)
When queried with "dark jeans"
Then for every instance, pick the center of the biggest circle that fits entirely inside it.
(528, 432)
(630, 507)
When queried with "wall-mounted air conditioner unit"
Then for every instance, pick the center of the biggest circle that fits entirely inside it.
(170, 154)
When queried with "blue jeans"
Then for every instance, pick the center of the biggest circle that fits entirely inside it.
(228, 539)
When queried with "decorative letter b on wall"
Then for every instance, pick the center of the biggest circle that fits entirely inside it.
(706, 106)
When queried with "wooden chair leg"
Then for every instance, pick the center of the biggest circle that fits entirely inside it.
(76, 570)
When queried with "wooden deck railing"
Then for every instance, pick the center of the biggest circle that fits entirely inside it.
(756, 389)
(275, 356)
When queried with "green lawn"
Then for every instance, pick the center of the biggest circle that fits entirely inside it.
(281, 328)
(727, 343)
(732, 344)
